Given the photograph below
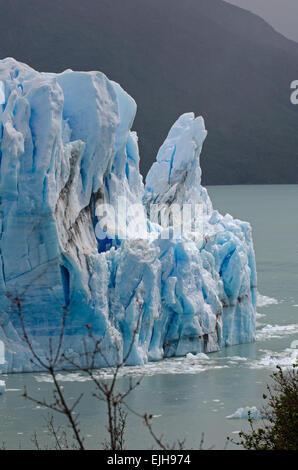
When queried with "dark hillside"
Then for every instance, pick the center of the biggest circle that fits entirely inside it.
(174, 56)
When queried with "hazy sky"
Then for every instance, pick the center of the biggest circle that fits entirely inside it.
(281, 14)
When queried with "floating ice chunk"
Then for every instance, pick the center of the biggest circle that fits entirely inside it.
(271, 359)
(202, 356)
(263, 300)
(190, 356)
(2, 387)
(244, 413)
(260, 315)
(237, 358)
(196, 357)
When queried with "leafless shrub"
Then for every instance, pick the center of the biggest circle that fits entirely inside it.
(56, 359)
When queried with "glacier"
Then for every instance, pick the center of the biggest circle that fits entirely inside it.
(67, 151)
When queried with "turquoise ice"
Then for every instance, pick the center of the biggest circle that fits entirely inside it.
(66, 148)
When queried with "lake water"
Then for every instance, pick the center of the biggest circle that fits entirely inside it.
(189, 396)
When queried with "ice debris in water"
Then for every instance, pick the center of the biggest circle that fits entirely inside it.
(245, 413)
(264, 300)
(199, 356)
(276, 331)
(2, 387)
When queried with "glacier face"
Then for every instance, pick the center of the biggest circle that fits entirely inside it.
(67, 150)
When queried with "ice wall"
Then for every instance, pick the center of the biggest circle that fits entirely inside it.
(66, 148)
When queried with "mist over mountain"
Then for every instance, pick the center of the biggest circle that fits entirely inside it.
(281, 14)
(175, 56)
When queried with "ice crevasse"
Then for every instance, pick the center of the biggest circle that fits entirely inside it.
(66, 148)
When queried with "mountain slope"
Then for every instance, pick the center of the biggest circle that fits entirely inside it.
(281, 14)
(175, 56)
